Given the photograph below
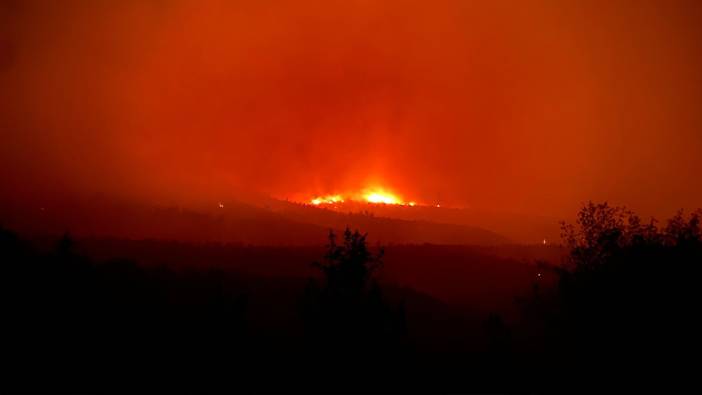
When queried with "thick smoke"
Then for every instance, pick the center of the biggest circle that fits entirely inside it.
(525, 106)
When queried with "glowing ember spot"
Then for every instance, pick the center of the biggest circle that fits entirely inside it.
(412, 204)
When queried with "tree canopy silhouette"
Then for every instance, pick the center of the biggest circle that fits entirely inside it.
(628, 286)
(347, 309)
(348, 267)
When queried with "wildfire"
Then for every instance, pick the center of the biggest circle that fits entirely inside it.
(373, 196)
(379, 197)
(330, 199)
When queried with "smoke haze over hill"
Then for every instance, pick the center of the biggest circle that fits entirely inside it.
(532, 107)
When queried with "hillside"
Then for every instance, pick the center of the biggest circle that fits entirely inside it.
(234, 222)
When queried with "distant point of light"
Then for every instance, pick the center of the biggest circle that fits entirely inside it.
(438, 205)
(221, 205)
(544, 241)
(412, 204)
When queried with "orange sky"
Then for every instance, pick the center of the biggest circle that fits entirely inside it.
(511, 105)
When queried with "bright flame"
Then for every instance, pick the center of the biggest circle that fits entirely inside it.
(382, 197)
(330, 199)
(369, 195)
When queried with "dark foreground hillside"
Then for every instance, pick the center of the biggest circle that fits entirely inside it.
(351, 317)
(74, 320)
(454, 274)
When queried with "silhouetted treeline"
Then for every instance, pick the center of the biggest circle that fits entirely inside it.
(627, 283)
(625, 298)
(69, 318)
(626, 301)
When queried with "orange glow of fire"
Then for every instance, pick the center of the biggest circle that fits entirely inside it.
(369, 195)
(330, 199)
(382, 197)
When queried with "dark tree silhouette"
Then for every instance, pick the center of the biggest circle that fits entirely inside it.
(627, 289)
(348, 267)
(625, 296)
(346, 313)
